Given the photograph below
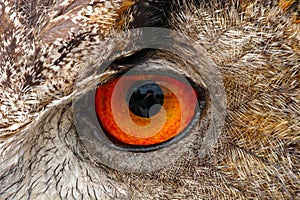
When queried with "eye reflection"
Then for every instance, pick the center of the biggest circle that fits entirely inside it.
(146, 100)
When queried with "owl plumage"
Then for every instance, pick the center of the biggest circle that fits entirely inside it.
(46, 45)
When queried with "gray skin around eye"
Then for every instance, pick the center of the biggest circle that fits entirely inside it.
(255, 46)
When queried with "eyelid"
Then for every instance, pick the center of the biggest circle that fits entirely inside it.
(114, 71)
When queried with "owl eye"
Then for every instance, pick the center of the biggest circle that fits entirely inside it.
(156, 98)
(144, 110)
(140, 119)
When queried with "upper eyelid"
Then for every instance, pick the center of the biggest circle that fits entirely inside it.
(114, 71)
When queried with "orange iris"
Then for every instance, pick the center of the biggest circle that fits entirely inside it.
(173, 115)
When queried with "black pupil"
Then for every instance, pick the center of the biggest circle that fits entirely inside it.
(146, 99)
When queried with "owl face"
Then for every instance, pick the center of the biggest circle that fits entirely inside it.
(149, 99)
